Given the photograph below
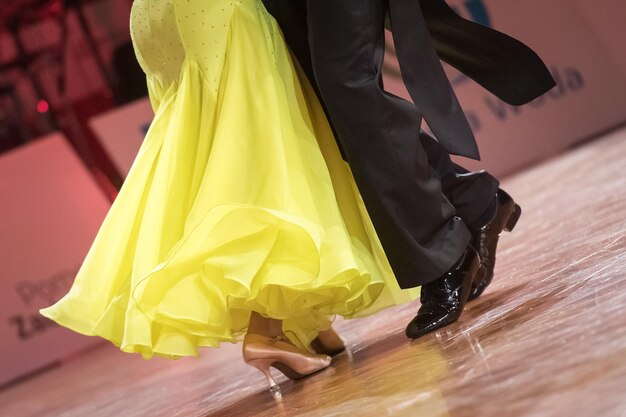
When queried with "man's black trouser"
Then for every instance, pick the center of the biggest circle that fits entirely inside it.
(412, 191)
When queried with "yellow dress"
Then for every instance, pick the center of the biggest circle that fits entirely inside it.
(238, 199)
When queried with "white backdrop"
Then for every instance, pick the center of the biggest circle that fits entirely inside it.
(50, 211)
(581, 42)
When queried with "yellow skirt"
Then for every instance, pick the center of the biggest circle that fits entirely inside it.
(238, 200)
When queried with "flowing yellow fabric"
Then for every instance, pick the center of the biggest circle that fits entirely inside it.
(238, 199)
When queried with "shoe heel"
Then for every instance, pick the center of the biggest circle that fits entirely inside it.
(513, 218)
(263, 365)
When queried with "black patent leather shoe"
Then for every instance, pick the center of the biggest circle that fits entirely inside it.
(443, 300)
(485, 240)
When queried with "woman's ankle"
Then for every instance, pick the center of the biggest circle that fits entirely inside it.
(265, 326)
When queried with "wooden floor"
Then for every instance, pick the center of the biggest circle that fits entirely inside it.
(548, 338)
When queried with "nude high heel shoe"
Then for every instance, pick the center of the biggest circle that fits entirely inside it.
(264, 352)
(328, 342)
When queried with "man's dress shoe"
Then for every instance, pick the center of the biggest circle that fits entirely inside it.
(443, 299)
(485, 240)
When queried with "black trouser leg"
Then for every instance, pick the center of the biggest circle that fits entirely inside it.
(379, 134)
(471, 193)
